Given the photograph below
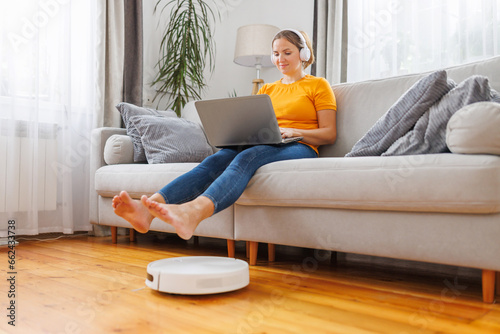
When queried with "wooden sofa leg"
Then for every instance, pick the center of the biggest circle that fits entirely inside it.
(488, 279)
(498, 284)
(271, 252)
(333, 258)
(253, 249)
(114, 234)
(230, 248)
(132, 235)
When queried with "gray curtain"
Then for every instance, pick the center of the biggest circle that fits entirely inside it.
(119, 65)
(330, 40)
(133, 60)
(119, 58)
(110, 22)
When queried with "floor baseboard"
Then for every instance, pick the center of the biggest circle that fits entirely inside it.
(5, 242)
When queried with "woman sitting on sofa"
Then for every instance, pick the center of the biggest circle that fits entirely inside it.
(305, 107)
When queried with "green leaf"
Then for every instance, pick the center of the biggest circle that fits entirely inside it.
(186, 48)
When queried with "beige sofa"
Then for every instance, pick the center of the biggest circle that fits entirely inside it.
(438, 208)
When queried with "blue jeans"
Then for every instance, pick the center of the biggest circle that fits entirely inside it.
(223, 176)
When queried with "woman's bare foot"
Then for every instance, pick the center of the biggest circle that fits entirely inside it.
(184, 217)
(133, 211)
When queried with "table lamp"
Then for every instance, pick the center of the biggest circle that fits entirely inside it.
(253, 48)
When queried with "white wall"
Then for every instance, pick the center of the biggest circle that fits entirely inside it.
(229, 76)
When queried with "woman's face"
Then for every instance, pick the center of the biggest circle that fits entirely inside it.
(286, 56)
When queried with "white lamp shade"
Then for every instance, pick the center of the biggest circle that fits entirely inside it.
(253, 45)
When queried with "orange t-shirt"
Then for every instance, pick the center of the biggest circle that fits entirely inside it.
(296, 105)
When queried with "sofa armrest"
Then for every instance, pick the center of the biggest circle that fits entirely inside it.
(99, 137)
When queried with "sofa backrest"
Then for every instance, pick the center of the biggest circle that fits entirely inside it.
(189, 113)
(361, 104)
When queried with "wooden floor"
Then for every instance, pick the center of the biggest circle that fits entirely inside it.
(89, 285)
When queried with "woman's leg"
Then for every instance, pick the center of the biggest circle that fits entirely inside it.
(185, 188)
(190, 185)
(227, 188)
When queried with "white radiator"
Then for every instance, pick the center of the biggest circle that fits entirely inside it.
(26, 167)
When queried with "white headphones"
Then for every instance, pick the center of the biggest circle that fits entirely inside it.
(304, 52)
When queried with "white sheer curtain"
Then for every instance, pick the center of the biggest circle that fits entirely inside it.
(392, 37)
(47, 73)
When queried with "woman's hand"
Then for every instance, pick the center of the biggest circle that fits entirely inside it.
(326, 133)
(289, 133)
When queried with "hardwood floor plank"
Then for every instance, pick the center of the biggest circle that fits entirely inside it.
(89, 285)
(92, 296)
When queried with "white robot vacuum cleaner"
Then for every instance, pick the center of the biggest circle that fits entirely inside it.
(197, 275)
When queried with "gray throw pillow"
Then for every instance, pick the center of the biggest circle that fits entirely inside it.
(403, 115)
(429, 134)
(128, 110)
(495, 96)
(171, 139)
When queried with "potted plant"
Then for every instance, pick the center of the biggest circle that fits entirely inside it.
(186, 49)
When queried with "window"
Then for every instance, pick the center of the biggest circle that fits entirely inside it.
(45, 56)
(394, 37)
(47, 102)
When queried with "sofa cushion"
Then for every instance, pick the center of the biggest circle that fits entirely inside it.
(119, 149)
(128, 110)
(403, 115)
(429, 133)
(137, 179)
(475, 129)
(171, 139)
(424, 183)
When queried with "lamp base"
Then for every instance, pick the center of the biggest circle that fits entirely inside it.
(256, 85)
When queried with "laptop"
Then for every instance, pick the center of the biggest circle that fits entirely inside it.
(240, 121)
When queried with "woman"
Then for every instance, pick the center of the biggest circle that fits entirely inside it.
(305, 107)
